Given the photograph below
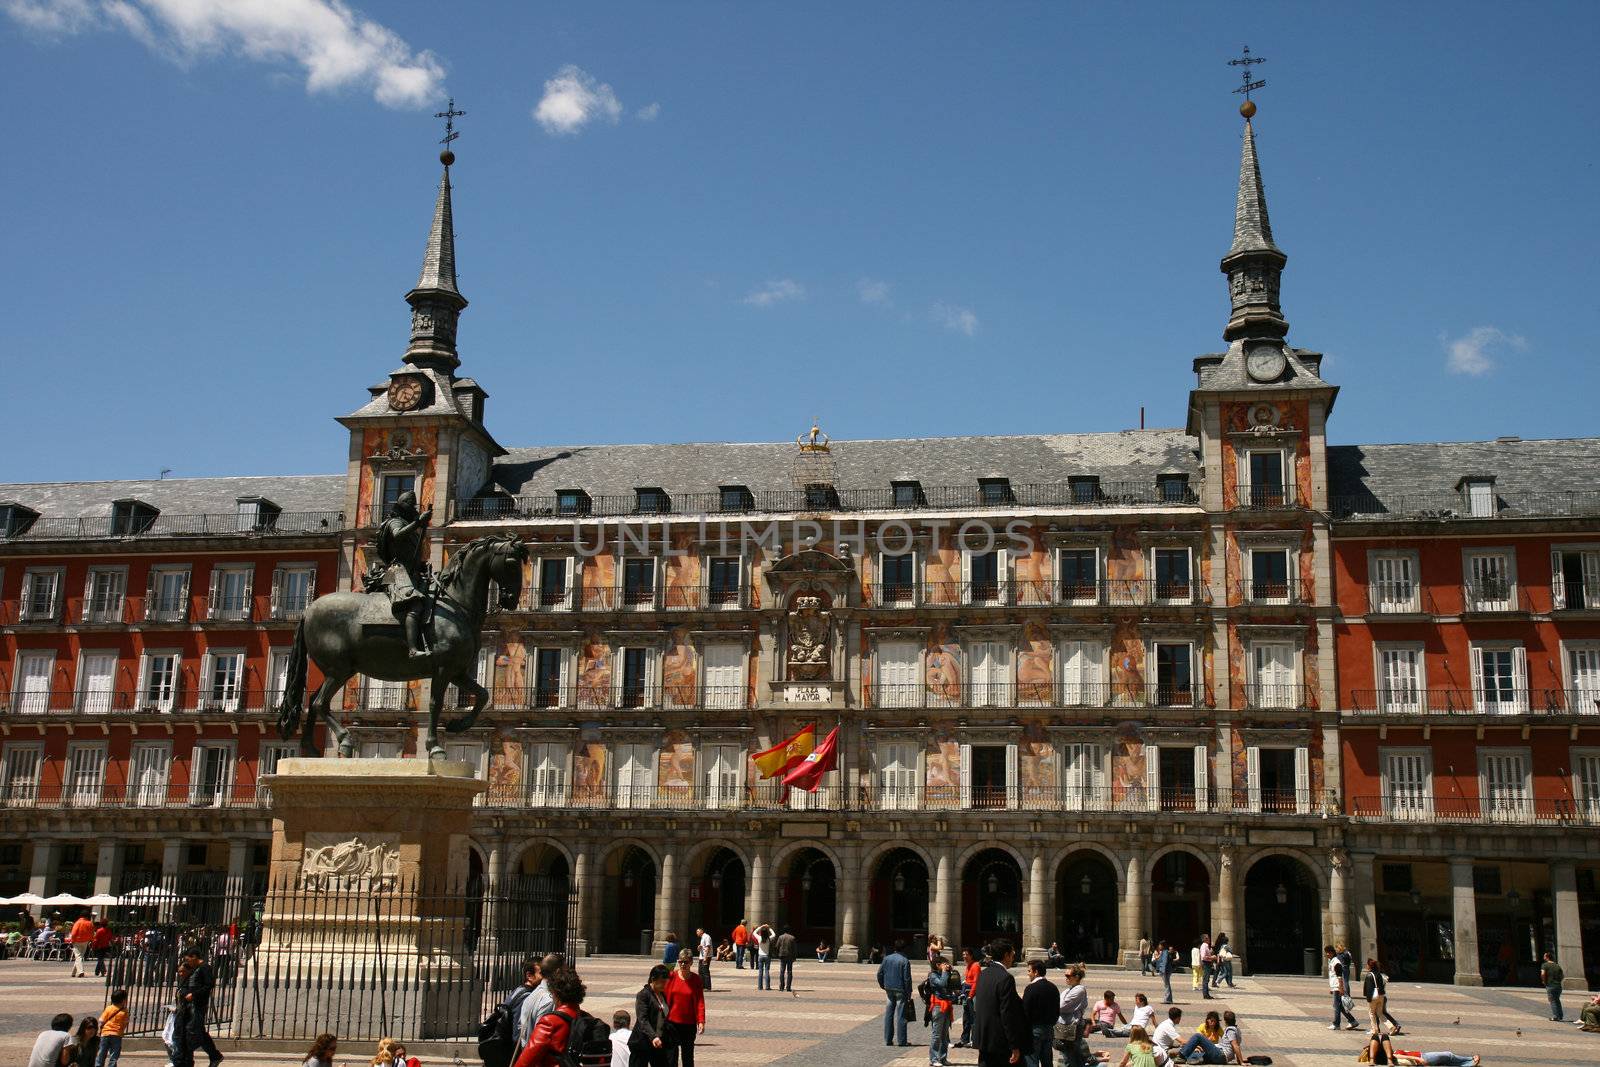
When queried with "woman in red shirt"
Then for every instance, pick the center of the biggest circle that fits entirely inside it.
(686, 1010)
(550, 1034)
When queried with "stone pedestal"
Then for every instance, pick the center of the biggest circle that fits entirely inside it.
(368, 910)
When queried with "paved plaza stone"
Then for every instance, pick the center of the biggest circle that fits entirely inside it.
(834, 1017)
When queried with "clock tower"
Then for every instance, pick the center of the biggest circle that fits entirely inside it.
(422, 427)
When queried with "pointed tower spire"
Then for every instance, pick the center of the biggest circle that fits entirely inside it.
(435, 302)
(1254, 263)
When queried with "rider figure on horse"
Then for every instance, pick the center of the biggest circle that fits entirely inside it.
(400, 542)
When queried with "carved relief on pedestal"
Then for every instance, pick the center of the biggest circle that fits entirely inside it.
(810, 638)
(335, 863)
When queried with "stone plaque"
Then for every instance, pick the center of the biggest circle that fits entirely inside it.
(335, 862)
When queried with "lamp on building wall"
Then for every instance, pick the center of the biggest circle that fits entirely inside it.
(899, 881)
(1416, 896)
(627, 877)
(993, 882)
(805, 880)
(1283, 893)
(1513, 898)
(1085, 884)
(716, 879)
(1179, 885)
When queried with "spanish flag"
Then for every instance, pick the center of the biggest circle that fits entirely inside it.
(785, 754)
(807, 774)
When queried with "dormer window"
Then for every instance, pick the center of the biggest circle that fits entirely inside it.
(908, 494)
(1172, 488)
(651, 501)
(821, 496)
(256, 514)
(572, 502)
(736, 498)
(130, 517)
(1084, 488)
(995, 491)
(15, 519)
(1479, 493)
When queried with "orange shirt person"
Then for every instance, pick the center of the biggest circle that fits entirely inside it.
(741, 938)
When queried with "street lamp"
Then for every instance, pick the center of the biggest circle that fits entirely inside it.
(716, 879)
(994, 882)
(1282, 893)
(1179, 885)
(805, 880)
(899, 881)
(1085, 885)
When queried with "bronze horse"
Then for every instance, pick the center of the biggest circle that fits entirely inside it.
(332, 633)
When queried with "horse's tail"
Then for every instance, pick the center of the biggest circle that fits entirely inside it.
(294, 685)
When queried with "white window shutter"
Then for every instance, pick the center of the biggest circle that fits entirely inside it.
(277, 592)
(1253, 777)
(183, 595)
(1013, 793)
(88, 594)
(1302, 780)
(311, 584)
(208, 667)
(619, 660)
(1519, 677)
(1002, 572)
(1558, 582)
(213, 591)
(966, 577)
(1152, 775)
(1479, 691)
(966, 775)
(1202, 780)
(248, 607)
(651, 664)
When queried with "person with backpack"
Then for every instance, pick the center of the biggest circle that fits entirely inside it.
(501, 1037)
(941, 989)
(686, 1010)
(568, 1036)
(542, 1002)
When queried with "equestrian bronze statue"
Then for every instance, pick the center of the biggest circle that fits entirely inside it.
(346, 634)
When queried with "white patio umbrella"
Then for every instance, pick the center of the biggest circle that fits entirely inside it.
(102, 900)
(150, 894)
(63, 900)
(29, 899)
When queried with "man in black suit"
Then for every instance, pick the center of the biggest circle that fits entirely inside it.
(649, 1020)
(194, 999)
(1041, 1004)
(1000, 1030)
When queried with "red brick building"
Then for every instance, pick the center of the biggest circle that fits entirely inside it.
(1467, 577)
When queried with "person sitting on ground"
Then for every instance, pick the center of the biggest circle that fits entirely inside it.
(1232, 1038)
(550, 1036)
(1167, 1036)
(1054, 957)
(1143, 1014)
(1206, 1044)
(725, 951)
(48, 1045)
(1141, 1052)
(822, 951)
(1589, 1017)
(398, 1057)
(1107, 1016)
(321, 1052)
(85, 1044)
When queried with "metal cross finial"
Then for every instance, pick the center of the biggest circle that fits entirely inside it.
(1247, 61)
(450, 114)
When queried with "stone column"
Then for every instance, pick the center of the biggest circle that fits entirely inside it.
(943, 903)
(1339, 900)
(171, 860)
(1134, 923)
(1465, 916)
(667, 890)
(238, 877)
(851, 905)
(756, 908)
(1034, 938)
(1569, 933)
(1364, 901)
(108, 867)
(586, 880)
(1222, 900)
(494, 876)
(41, 878)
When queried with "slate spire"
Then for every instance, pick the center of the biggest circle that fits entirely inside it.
(1254, 263)
(435, 302)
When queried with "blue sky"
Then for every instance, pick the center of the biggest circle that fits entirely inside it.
(912, 219)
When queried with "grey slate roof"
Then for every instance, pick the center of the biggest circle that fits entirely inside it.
(445, 399)
(439, 258)
(1252, 229)
(1127, 456)
(178, 496)
(1533, 477)
(1226, 370)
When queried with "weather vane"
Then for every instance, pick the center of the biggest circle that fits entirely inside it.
(1248, 108)
(450, 114)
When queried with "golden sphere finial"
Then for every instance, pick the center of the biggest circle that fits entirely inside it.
(1248, 109)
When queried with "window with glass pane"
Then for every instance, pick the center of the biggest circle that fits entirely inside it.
(723, 580)
(638, 581)
(294, 595)
(212, 769)
(233, 594)
(995, 491)
(39, 596)
(547, 773)
(170, 595)
(897, 776)
(1080, 575)
(553, 582)
(105, 596)
(1084, 489)
(899, 578)
(1269, 574)
(907, 494)
(985, 571)
(572, 502)
(1172, 573)
(547, 678)
(1394, 585)
(1583, 674)
(634, 661)
(1586, 777)
(736, 498)
(393, 486)
(1400, 678)
(160, 680)
(1489, 581)
(1173, 488)
(1498, 679)
(223, 688)
(1266, 487)
(21, 770)
(1173, 663)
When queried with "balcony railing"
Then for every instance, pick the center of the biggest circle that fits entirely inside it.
(146, 795)
(229, 608)
(1417, 701)
(1114, 592)
(1515, 810)
(541, 696)
(1273, 591)
(180, 699)
(1489, 597)
(1277, 696)
(1399, 598)
(105, 527)
(1577, 596)
(1263, 496)
(1031, 695)
(1447, 505)
(1058, 495)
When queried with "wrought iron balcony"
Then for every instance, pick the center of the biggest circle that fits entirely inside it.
(1265, 496)
(1112, 592)
(1402, 600)
(1446, 702)
(227, 524)
(938, 693)
(1447, 505)
(1277, 591)
(1515, 809)
(1277, 696)
(1489, 597)
(124, 700)
(97, 793)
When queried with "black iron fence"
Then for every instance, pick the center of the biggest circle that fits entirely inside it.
(360, 956)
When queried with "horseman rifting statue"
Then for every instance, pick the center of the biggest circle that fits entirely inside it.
(402, 628)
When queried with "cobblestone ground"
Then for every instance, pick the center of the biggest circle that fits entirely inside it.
(834, 1018)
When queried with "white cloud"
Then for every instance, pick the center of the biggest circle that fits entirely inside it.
(776, 292)
(953, 317)
(649, 112)
(1473, 353)
(873, 291)
(335, 47)
(573, 99)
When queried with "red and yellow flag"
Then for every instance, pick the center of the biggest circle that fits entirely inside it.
(807, 774)
(785, 754)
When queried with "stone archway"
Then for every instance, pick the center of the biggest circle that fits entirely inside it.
(1087, 901)
(1282, 917)
(1180, 900)
(897, 901)
(628, 916)
(717, 893)
(810, 896)
(991, 898)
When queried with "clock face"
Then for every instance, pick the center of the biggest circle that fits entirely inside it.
(1265, 362)
(405, 393)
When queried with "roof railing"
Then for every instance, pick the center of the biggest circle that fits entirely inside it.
(1449, 505)
(224, 524)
